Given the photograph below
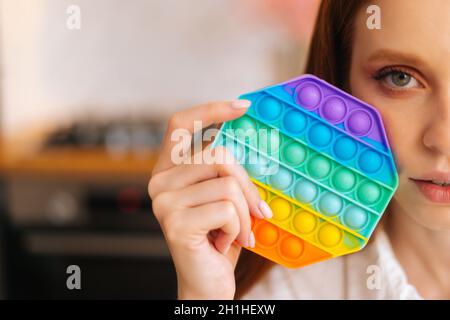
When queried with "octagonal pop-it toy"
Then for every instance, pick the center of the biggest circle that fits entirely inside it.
(323, 165)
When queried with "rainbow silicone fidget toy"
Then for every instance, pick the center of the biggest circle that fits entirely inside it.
(333, 176)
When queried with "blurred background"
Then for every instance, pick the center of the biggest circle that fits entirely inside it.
(86, 87)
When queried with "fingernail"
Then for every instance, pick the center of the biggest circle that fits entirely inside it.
(241, 104)
(251, 240)
(259, 213)
(265, 209)
(259, 198)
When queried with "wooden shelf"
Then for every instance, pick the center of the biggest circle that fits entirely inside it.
(73, 161)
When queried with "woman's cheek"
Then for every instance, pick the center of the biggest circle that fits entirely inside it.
(397, 127)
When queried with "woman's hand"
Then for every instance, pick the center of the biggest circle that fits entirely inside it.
(204, 208)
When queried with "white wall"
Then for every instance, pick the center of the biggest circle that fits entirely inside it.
(130, 57)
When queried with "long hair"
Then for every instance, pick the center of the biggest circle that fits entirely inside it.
(329, 58)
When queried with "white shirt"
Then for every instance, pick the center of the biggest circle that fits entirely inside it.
(372, 273)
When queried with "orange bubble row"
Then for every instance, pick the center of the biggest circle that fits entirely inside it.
(282, 247)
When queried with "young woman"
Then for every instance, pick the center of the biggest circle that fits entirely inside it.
(403, 69)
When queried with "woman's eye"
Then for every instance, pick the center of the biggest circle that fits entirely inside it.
(401, 80)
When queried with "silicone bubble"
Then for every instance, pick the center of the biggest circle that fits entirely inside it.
(329, 235)
(334, 109)
(356, 218)
(305, 191)
(320, 135)
(370, 161)
(319, 167)
(269, 108)
(345, 149)
(294, 122)
(281, 179)
(291, 247)
(309, 96)
(294, 153)
(359, 122)
(330, 204)
(244, 127)
(281, 208)
(321, 160)
(369, 192)
(344, 180)
(267, 234)
(305, 222)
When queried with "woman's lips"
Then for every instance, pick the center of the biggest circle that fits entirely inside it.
(434, 192)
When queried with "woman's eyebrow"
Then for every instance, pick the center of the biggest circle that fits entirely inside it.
(396, 57)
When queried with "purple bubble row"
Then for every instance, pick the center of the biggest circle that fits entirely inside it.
(334, 109)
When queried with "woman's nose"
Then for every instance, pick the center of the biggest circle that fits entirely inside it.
(437, 135)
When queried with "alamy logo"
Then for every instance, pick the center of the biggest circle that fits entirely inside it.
(74, 17)
(187, 149)
(373, 22)
(73, 281)
(374, 279)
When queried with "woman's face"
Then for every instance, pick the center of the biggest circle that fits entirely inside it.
(404, 71)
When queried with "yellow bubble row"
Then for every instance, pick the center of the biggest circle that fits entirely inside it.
(307, 224)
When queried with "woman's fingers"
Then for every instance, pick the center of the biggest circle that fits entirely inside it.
(220, 189)
(185, 120)
(221, 216)
(219, 194)
(184, 175)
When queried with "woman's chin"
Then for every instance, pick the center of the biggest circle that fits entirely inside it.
(432, 216)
